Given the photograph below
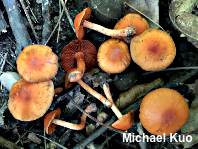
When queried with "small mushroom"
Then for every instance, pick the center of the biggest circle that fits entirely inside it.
(51, 120)
(81, 53)
(153, 50)
(135, 20)
(163, 110)
(124, 122)
(29, 101)
(37, 63)
(113, 56)
(81, 23)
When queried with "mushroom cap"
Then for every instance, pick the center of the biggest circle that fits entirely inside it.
(134, 20)
(163, 111)
(37, 63)
(78, 22)
(29, 101)
(49, 126)
(153, 50)
(68, 60)
(125, 122)
(113, 56)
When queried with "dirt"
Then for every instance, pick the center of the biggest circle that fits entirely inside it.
(17, 131)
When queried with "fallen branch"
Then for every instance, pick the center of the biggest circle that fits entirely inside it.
(8, 144)
(18, 28)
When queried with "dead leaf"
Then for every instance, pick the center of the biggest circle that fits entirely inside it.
(183, 20)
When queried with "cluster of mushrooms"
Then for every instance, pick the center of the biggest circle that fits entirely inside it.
(151, 49)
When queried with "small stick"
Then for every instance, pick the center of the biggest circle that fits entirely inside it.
(3, 64)
(29, 20)
(9, 63)
(59, 19)
(8, 144)
(68, 16)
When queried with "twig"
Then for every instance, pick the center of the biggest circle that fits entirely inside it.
(29, 20)
(169, 69)
(48, 139)
(3, 64)
(144, 15)
(46, 20)
(8, 144)
(59, 24)
(68, 16)
(108, 138)
(9, 62)
(94, 135)
(19, 30)
(59, 19)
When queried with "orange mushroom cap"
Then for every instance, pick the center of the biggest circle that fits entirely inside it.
(134, 20)
(163, 111)
(68, 60)
(29, 101)
(37, 63)
(125, 122)
(153, 50)
(49, 126)
(78, 22)
(113, 56)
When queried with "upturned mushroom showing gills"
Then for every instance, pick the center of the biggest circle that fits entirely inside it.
(51, 120)
(81, 23)
(113, 56)
(29, 101)
(153, 50)
(163, 111)
(124, 122)
(37, 63)
(80, 53)
(135, 20)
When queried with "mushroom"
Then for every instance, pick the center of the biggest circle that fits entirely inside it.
(153, 50)
(37, 63)
(51, 120)
(80, 52)
(113, 56)
(81, 23)
(135, 20)
(29, 101)
(124, 122)
(163, 110)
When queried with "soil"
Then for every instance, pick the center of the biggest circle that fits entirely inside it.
(17, 131)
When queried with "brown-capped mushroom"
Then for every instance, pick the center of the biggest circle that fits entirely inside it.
(80, 53)
(113, 56)
(135, 20)
(37, 63)
(163, 110)
(153, 50)
(29, 101)
(51, 120)
(81, 23)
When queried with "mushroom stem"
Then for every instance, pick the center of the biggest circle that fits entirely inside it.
(78, 73)
(106, 102)
(71, 125)
(128, 31)
(109, 97)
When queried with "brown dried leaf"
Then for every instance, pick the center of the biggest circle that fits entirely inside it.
(183, 20)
